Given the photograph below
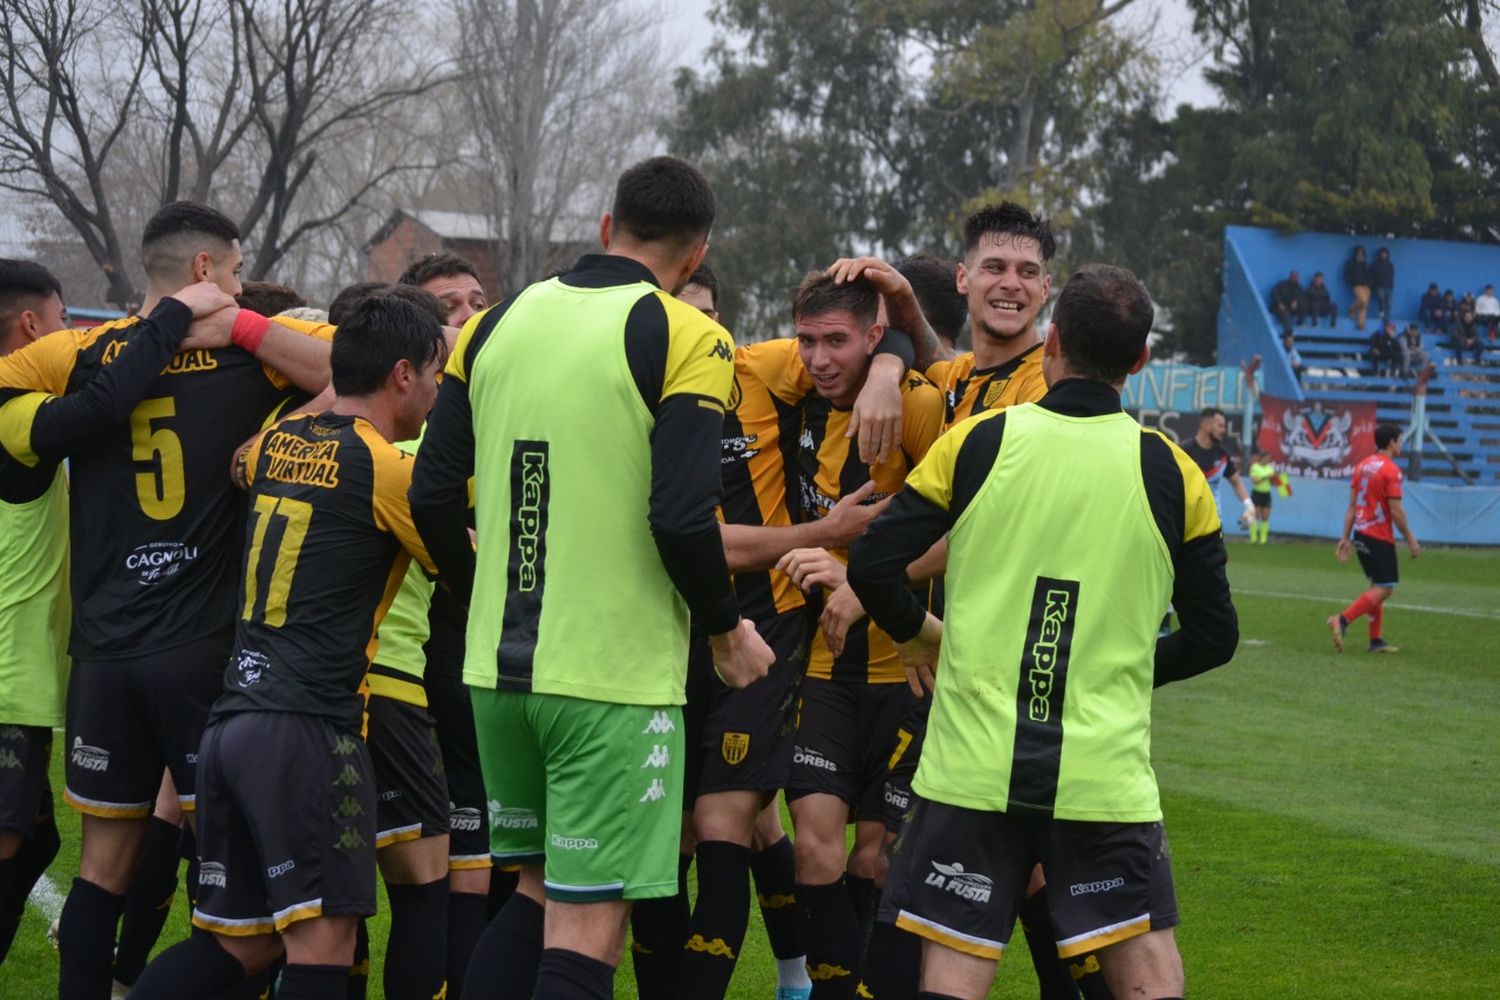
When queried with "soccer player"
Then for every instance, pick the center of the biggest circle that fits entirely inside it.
(589, 409)
(1262, 472)
(739, 742)
(36, 432)
(935, 284)
(453, 279)
(326, 548)
(476, 890)
(1206, 449)
(154, 561)
(852, 699)
(1041, 754)
(1374, 505)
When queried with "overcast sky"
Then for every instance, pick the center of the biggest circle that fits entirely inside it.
(1182, 56)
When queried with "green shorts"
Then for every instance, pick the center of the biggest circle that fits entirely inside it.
(592, 788)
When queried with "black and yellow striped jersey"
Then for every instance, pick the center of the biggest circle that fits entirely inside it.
(155, 520)
(326, 547)
(968, 391)
(829, 466)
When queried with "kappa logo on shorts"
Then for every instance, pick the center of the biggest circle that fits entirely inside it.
(344, 746)
(574, 843)
(658, 757)
(813, 758)
(276, 871)
(1105, 885)
(350, 808)
(660, 724)
(656, 792)
(734, 747)
(350, 839)
(348, 777)
(89, 758)
(965, 885)
(212, 873)
(12, 733)
(512, 818)
(465, 819)
(250, 667)
(390, 796)
(9, 760)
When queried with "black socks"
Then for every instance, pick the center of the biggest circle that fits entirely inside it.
(467, 919)
(832, 940)
(658, 928)
(189, 970)
(416, 953)
(86, 942)
(570, 975)
(717, 929)
(149, 900)
(508, 952)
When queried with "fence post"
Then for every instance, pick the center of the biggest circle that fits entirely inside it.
(1247, 433)
(1418, 429)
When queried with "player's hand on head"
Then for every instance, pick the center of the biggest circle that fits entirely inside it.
(851, 515)
(204, 298)
(876, 417)
(213, 331)
(811, 568)
(919, 655)
(840, 612)
(741, 656)
(886, 279)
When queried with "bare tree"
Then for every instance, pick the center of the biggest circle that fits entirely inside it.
(563, 93)
(247, 103)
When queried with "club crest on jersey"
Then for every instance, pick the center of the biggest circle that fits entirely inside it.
(994, 391)
(733, 747)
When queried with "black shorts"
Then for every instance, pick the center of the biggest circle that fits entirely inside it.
(468, 817)
(411, 790)
(845, 736)
(1262, 499)
(957, 876)
(128, 720)
(25, 788)
(286, 824)
(742, 739)
(903, 763)
(1377, 557)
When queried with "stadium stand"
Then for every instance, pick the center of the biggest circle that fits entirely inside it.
(1463, 405)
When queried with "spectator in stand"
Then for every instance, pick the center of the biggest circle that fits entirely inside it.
(1357, 277)
(1413, 354)
(1430, 312)
(1286, 301)
(1466, 335)
(1317, 303)
(1448, 313)
(1487, 312)
(1383, 278)
(1385, 350)
(1292, 357)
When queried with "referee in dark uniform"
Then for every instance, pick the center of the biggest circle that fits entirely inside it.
(1069, 529)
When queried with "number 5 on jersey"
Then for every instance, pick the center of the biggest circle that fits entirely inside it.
(294, 517)
(161, 490)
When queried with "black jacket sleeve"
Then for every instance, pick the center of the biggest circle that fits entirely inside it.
(1210, 629)
(71, 423)
(685, 488)
(439, 491)
(878, 560)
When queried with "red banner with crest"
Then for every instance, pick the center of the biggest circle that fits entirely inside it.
(1316, 438)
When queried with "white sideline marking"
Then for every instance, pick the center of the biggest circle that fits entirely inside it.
(45, 897)
(1460, 612)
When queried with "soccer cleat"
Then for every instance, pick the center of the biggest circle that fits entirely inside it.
(794, 993)
(1381, 646)
(1337, 625)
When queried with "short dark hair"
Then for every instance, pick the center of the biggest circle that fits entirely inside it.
(934, 281)
(382, 329)
(1103, 317)
(1009, 218)
(819, 294)
(664, 200)
(24, 283)
(422, 299)
(343, 303)
(268, 299)
(705, 278)
(177, 232)
(443, 264)
(1212, 411)
(1385, 434)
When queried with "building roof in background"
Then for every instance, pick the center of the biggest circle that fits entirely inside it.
(456, 225)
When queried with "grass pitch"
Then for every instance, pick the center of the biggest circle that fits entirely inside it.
(1334, 818)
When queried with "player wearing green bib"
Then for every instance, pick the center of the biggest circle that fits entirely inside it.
(588, 408)
(1262, 474)
(1038, 746)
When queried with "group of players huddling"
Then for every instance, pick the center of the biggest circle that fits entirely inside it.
(674, 579)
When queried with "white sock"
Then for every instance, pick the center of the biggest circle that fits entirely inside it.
(792, 972)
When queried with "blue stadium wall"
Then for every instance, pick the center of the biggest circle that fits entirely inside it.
(1254, 260)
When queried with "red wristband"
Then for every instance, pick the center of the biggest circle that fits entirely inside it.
(249, 330)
